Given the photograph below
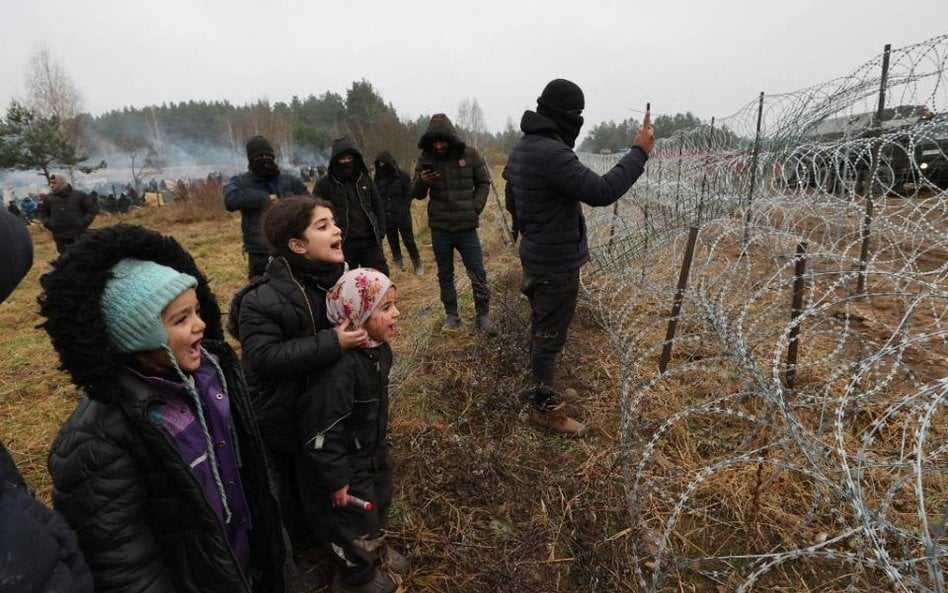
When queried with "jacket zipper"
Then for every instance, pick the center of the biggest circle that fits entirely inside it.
(194, 480)
(309, 306)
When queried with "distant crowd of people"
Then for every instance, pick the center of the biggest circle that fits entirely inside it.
(161, 475)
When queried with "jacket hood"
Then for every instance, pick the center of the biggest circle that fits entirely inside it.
(341, 145)
(387, 158)
(534, 123)
(71, 294)
(441, 126)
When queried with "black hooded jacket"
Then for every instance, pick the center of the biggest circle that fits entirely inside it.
(333, 187)
(286, 338)
(142, 519)
(394, 186)
(546, 185)
(459, 194)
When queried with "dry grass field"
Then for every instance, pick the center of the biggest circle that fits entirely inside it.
(483, 502)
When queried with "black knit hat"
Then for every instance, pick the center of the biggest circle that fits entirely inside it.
(562, 94)
(258, 145)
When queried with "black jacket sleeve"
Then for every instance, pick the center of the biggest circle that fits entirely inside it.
(239, 196)
(100, 490)
(267, 349)
(322, 412)
(570, 177)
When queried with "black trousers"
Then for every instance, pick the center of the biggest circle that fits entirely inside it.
(364, 253)
(552, 305)
(403, 227)
(354, 535)
(256, 264)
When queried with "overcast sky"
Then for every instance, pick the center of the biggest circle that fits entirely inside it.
(424, 57)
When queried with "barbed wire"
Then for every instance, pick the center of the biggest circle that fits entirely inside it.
(789, 437)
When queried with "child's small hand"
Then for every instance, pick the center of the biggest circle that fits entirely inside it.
(340, 497)
(350, 338)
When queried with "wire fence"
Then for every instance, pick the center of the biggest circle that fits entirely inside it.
(786, 423)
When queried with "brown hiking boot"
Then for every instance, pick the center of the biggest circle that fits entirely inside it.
(551, 416)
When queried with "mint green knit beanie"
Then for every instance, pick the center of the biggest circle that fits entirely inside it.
(132, 302)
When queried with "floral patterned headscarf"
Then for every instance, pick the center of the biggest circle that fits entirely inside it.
(355, 296)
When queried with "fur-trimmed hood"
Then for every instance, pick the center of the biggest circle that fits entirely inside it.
(72, 291)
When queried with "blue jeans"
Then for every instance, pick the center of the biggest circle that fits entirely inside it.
(468, 245)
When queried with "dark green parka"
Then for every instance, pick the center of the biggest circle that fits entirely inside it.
(459, 194)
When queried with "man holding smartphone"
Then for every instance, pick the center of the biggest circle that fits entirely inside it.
(546, 187)
(455, 178)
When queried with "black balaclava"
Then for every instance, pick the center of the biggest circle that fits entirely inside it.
(559, 97)
(260, 158)
(346, 172)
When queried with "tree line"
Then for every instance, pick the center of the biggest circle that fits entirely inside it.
(50, 130)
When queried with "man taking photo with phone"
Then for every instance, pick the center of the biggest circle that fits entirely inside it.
(546, 187)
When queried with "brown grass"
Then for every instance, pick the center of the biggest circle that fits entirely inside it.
(483, 502)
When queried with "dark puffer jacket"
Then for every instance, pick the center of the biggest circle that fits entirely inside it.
(251, 195)
(331, 187)
(395, 188)
(459, 194)
(343, 424)
(546, 184)
(285, 337)
(38, 550)
(67, 213)
(141, 516)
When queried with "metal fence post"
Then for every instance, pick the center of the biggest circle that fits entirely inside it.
(867, 219)
(799, 269)
(679, 295)
(753, 179)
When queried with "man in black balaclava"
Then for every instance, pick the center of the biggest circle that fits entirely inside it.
(252, 192)
(546, 185)
(358, 207)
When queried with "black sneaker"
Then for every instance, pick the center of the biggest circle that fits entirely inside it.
(451, 322)
(484, 325)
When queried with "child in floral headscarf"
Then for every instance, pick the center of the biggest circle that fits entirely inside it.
(346, 471)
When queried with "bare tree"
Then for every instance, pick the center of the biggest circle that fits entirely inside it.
(53, 94)
(51, 91)
(471, 120)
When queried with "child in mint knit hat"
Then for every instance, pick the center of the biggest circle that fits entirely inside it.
(160, 470)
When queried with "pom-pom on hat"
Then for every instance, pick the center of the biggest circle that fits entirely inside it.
(132, 302)
(258, 146)
(562, 94)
